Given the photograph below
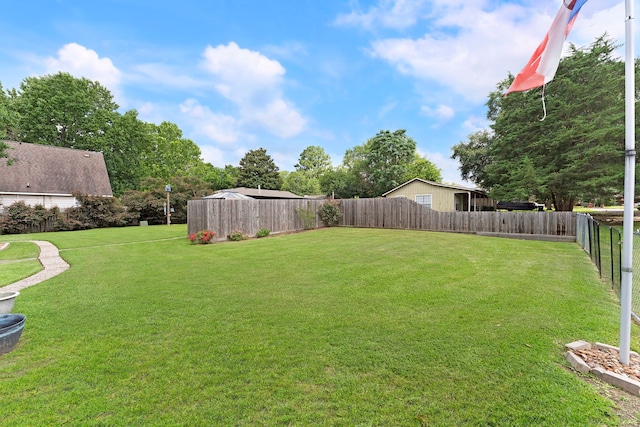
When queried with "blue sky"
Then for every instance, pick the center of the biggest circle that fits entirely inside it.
(286, 74)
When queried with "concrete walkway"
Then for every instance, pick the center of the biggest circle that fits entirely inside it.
(51, 262)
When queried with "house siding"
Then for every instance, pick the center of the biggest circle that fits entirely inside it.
(442, 198)
(47, 200)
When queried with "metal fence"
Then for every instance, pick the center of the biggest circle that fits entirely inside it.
(603, 243)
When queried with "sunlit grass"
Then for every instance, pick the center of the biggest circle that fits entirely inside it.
(336, 327)
(18, 261)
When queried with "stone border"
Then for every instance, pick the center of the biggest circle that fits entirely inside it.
(621, 381)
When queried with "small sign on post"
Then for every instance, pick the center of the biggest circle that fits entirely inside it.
(167, 209)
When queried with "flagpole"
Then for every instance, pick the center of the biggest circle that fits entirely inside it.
(629, 183)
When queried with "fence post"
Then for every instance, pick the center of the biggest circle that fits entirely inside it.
(613, 272)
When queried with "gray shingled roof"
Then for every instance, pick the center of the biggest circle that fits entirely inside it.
(263, 194)
(44, 169)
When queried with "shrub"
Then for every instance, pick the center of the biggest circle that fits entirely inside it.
(237, 235)
(263, 232)
(203, 237)
(97, 212)
(308, 216)
(20, 218)
(330, 213)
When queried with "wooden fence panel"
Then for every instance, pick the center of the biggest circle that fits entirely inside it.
(223, 216)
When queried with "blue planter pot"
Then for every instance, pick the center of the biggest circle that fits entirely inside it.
(11, 326)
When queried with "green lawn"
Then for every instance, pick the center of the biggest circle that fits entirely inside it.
(17, 261)
(333, 327)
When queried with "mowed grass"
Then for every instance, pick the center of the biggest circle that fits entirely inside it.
(17, 261)
(333, 327)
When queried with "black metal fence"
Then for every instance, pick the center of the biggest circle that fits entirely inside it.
(604, 244)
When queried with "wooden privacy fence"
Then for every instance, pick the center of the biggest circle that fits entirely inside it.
(400, 212)
(223, 216)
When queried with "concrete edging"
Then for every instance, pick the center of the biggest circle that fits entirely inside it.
(617, 380)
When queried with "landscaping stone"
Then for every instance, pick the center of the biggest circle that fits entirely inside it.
(578, 345)
(617, 380)
(577, 363)
(601, 360)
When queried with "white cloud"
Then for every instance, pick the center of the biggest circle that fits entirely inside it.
(396, 14)
(448, 166)
(80, 62)
(443, 112)
(471, 59)
(254, 83)
(472, 45)
(221, 128)
(279, 117)
(610, 20)
(213, 155)
(163, 75)
(474, 123)
(220, 157)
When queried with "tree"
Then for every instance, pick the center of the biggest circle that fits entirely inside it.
(64, 111)
(473, 156)
(169, 154)
(257, 168)
(8, 121)
(313, 162)
(343, 184)
(149, 204)
(423, 168)
(387, 160)
(125, 145)
(299, 183)
(217, 178)
(576, 152)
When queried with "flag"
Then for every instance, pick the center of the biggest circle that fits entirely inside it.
(544, 62)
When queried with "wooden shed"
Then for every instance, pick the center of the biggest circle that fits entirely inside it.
(443, 197)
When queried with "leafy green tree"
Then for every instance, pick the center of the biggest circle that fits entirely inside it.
(8, 121)
(423, 168)
(148, 204)
(126, 144)
(343, 183)
(257, 168)
(64, 111)
(217, 178)
(300, 183)
(576, 152)
(387, 160)
(168, 153)
(473, 156)
(313, 162)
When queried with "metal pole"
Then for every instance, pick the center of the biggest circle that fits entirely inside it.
(168, 209)
(629, 181)
(613, 270)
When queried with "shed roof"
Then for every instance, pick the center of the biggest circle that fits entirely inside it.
(259, 193)
(229, 195)
(45, 169)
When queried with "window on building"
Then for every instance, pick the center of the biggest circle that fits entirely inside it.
(424, 200)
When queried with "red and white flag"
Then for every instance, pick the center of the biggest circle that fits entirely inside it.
(543, 65)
